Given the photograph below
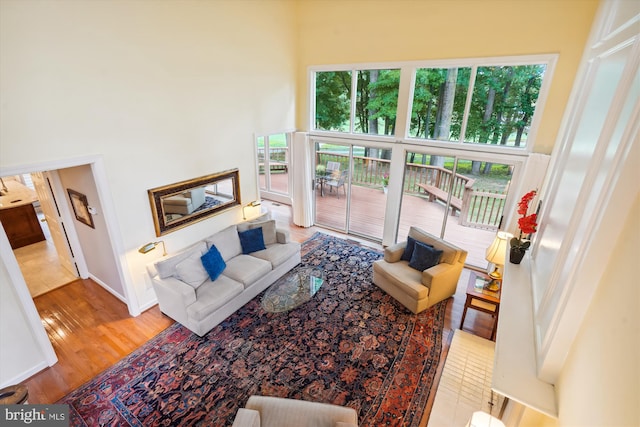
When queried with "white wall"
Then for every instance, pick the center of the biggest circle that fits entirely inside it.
(600, 382)
(95, 242)
(162, 91)
(20, 352)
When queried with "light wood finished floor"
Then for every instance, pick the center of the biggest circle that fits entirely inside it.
(91, 330)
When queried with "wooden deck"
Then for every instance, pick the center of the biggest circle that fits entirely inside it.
(366, 218)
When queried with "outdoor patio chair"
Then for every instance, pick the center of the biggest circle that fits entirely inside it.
(337, 180)
(332, 167)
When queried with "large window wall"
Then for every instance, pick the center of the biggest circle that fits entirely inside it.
(475, 118)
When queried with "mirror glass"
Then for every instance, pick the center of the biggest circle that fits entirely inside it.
(178, 205)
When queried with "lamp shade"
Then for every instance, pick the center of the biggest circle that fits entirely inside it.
(496, 253)
(482, 419)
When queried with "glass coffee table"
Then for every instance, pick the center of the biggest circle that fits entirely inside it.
(292, 290)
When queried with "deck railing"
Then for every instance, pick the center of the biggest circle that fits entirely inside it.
(479, 208)
(278, 158)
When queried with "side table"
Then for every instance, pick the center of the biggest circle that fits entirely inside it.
(481, 299)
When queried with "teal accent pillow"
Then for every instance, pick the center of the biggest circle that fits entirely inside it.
(213, 263)
(408, 250)
(424, 256)
(252, 240)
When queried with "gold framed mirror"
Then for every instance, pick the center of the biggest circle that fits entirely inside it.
(175, 206)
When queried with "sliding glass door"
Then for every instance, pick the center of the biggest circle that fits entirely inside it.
(331, 184)
(460, 200)
(350, 187)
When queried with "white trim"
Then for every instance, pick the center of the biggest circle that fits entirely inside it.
(27, 374)
(438, 63)
(25, 298)
(17, 279)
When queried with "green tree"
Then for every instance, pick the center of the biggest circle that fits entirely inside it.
(333, 100)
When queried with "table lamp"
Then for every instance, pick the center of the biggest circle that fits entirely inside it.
(496, 254)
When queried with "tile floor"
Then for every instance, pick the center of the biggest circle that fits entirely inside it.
(41, 267)
(465, 385)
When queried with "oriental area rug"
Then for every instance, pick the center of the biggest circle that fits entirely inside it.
(350, 345)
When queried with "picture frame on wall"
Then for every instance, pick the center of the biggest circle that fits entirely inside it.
(80, 207)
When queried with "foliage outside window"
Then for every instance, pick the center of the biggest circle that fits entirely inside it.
(480, 104)
(376, 101)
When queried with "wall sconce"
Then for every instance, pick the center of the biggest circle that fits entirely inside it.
(151, 246)
(496, 254)
(250, 205)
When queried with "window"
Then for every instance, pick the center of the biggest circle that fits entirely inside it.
(483, 102)
(371, 111)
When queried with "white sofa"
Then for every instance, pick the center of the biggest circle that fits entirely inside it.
(269, 411)
(186, 293)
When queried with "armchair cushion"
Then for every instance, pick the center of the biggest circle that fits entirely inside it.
(246, 418)
(281, 412)
(424, 256)
(408, 249)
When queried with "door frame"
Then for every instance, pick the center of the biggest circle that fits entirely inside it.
(13, 269)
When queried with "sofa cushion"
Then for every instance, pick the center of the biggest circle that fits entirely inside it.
(166, 267)
(213, 295)
(251, 240)
(246, 269)
(424, 256)
(268, 229)
(213, 263)
(191, 271)
(227, 242)
(278, 253)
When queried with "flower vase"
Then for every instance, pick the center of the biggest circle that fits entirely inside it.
(384, 189)
(516, 254)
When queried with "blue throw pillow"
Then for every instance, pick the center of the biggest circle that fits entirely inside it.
(252, 240)
(408, 250)
(212, 262)
(424, 256)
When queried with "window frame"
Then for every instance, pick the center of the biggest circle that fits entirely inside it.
(405, 100)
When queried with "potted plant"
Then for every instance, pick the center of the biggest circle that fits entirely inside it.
(527, 225)
(385, 182)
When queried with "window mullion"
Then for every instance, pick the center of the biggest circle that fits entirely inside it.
(354, 99)
(467, 104)
(405, 96)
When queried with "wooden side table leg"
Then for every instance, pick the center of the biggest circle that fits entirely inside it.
(464, 312)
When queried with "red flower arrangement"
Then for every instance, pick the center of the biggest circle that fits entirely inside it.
(526, 223)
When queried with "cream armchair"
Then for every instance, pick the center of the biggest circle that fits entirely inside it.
(269, 411)
(184, 203)
(418, 290)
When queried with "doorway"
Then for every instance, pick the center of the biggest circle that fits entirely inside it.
(100, 264)
(47, 264)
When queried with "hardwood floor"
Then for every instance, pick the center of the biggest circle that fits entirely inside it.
(91, 329)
